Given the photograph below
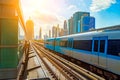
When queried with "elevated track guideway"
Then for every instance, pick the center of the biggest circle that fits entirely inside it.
(61, 69)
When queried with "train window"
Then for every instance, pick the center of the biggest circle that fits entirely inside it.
(55, 43)
(96, 45)
(82, 44)
(66, 42)
(70, 43)
(113, 47)
(63, 43)
(102, 46)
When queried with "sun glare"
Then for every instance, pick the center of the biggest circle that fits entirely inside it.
(38, 4)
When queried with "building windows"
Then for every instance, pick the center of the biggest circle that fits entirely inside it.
(56, 43)
(63, 43)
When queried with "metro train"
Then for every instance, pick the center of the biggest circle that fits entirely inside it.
(100, 48)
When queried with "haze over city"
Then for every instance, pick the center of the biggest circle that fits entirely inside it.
(49, 13)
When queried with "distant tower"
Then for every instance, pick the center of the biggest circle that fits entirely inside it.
(53, 32)
(77, 16)
(87, 23)
(70, 26)
(30, 30)
(58, 30)
(92, 23)
(40, 33)
(45, 36)
(49, 33)
(61, 32)
(65, 28)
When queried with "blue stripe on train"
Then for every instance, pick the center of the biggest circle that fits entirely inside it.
(88, 52)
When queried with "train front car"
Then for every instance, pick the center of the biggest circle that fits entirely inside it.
(98, 48)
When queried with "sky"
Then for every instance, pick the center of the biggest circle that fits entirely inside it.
(46, 13)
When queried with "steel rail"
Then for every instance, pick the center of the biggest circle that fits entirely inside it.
(77, 68)
(87, 77)
(69, 74)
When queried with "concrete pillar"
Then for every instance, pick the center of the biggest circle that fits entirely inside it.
(8, 39)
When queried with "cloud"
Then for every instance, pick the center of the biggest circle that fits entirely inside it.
(46, 20)
(45, 17)
(98, 5)
(71, 7)
(70, 10)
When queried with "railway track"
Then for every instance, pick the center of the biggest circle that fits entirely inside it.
(68, 69)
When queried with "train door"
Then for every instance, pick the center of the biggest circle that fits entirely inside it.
(57, 45)
(70, 46)
(99, 50)
(69, 43)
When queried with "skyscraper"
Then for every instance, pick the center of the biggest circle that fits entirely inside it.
(87, 23)
(30, 30)
(65, 28)
(92, 23)
(70, 26)
(45, 36)
(54, 31)
(40, 33)
(77, 18)
(49, 33)
(58, 30)
(61, 32)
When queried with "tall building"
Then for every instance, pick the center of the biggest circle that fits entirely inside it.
(54, 31)
(92, 23)
(45, 36)
(87, 23)
(30, 30)
(40, 33)
(70, 26)
(77, 19)
(58, 30)
(79, 26)
(49, 33)
(65, 28)
(61, 32)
